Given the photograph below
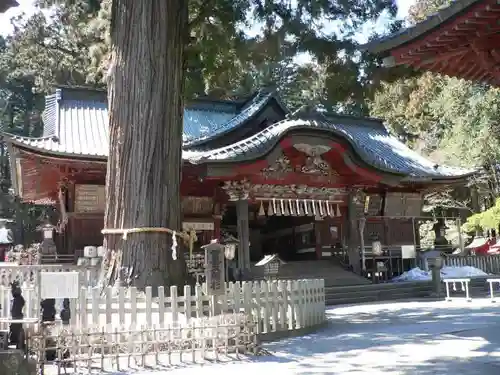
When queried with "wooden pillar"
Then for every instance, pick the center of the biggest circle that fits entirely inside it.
(319, 239)
(353, 251)
(216, 232)
(243, 236)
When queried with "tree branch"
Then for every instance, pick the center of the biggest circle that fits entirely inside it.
(59, 48)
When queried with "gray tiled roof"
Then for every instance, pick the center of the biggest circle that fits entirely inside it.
(368, 137)
(80, 128)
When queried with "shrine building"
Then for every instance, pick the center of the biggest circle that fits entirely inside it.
(307, 185)
(461, 40)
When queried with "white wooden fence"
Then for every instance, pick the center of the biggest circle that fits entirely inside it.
(486, 263)
(271, 305)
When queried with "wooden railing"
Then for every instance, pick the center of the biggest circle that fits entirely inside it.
(487, 263)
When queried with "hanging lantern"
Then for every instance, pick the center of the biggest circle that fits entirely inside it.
(230, 250)
(377, 248)
(290, 207)
(338, 211)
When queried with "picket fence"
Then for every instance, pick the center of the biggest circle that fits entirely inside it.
(271, 305)
(487, 263)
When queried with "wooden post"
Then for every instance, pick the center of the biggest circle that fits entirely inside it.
(217, 221)
(354, 256)
(460, 238)
(243, 236)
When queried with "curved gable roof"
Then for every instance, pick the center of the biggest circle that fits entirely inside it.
(368, 137)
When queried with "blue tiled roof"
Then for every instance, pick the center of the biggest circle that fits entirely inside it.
(80, 127)
(368, 137)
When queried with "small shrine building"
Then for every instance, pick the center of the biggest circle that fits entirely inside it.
(461, 40)
(307, 185)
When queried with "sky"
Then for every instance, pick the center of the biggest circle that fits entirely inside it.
(26, 6)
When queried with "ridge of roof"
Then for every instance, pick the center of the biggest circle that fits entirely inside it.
(407, 34)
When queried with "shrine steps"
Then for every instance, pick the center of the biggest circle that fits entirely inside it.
(346, 295)
(333, 274)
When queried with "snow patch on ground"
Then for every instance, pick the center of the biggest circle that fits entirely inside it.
(416, 274)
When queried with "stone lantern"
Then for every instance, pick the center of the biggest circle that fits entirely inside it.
(48, 245)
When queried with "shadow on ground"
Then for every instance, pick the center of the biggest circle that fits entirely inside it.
(410, 338)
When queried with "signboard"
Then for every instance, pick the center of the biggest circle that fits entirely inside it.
(188, 225)
(408, 252)
(90, 198)
(59, 285)
(214, 271)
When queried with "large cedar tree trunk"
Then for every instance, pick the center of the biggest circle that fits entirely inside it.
(145, 123)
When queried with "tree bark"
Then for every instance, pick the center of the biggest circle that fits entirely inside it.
(145, 124)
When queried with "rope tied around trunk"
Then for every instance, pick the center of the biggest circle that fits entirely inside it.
(189, 237)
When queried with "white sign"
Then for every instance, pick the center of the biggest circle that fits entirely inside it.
(408, 252)
(188, 225)
(59, 285)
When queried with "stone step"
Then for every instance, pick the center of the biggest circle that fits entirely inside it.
(373, 298)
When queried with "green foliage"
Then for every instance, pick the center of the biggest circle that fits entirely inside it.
(489, 219)
(72, 47)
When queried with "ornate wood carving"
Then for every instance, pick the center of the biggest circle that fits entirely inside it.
(280, 168)
(314, 165)
(244, 189)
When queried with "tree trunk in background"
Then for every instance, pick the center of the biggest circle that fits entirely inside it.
(145, 124)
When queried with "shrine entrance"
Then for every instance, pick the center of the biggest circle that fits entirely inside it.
(293, 234)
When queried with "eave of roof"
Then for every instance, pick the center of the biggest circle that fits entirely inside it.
(5, 5)
(385, 44)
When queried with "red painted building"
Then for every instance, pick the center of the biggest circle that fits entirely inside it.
(295, 184)
(461, 40)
